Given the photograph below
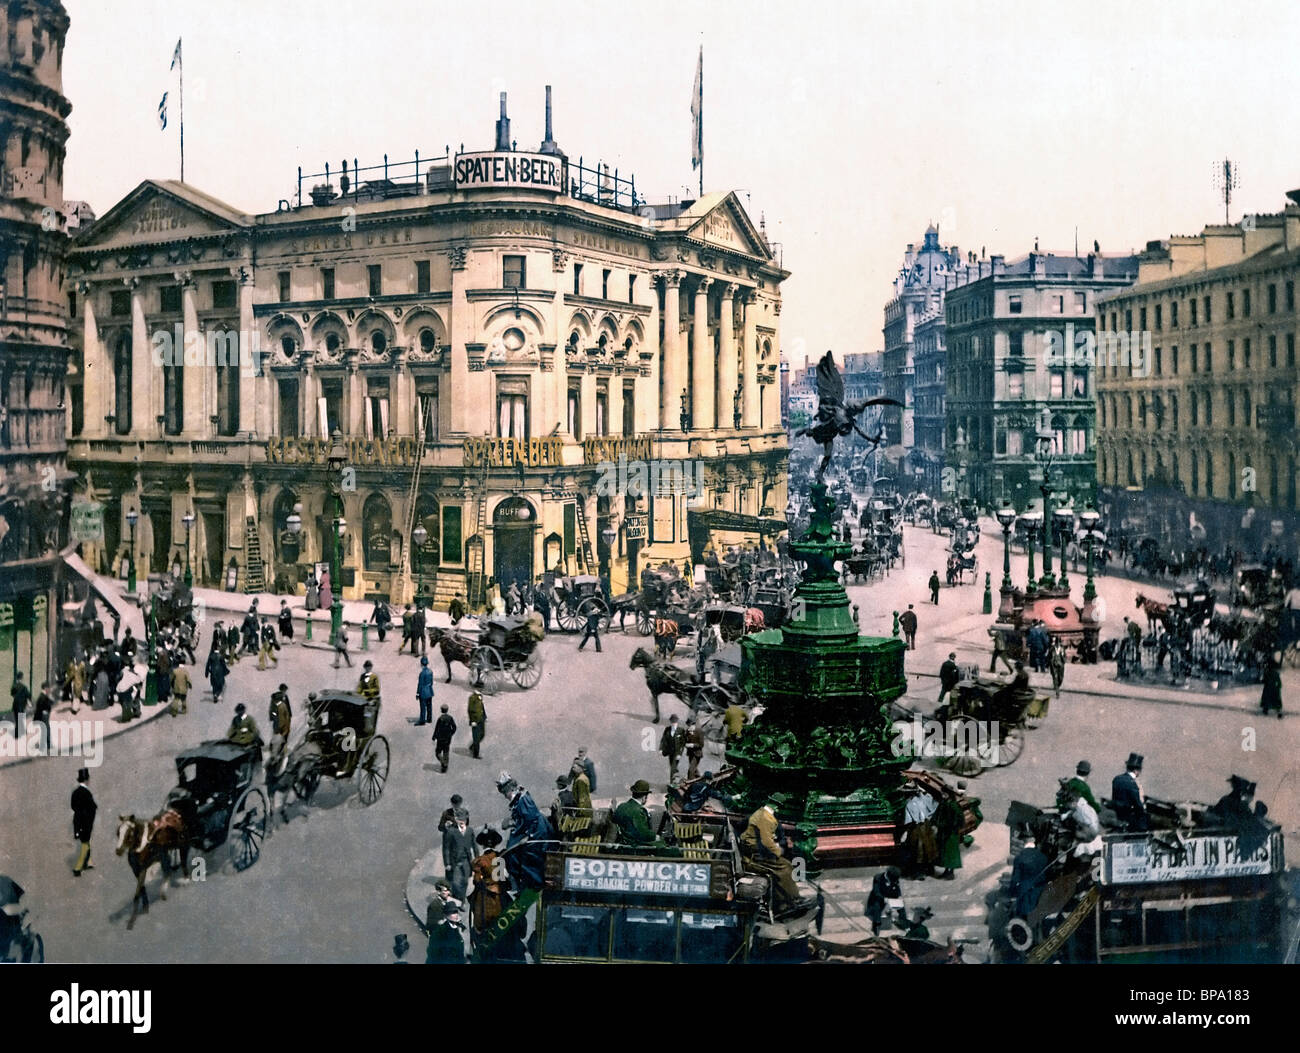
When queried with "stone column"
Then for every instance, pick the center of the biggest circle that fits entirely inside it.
(354, 417)
(460, 324)
(197, 374)
(553, 387)
(727, 368)
(614, 405)
(254, 391)
(400, 417)
(702, 386)
(674, 355)
(143, 370)
(647, 387)
(749, 361)
(771, 409)
(97, 379)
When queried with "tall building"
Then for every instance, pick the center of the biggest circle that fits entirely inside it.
(1202, 429)
(489, 334)
(1006, 385)
(864, 378)
(33, 337)
(918, 294)
(929, 399)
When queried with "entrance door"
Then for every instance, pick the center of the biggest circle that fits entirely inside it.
(513, 524)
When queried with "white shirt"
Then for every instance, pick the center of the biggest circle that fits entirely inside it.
(919, 809)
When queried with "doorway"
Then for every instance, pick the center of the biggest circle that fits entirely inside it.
(513, 524)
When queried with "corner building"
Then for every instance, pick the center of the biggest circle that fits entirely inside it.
(486, 334)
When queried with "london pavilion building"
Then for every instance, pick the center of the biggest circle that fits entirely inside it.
(487, 334)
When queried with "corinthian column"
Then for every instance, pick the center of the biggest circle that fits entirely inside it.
(673, 354)
(727, 358)
(194, 377)
(143, 370)
(702, 391)
(97, 379)
(254, 396)
(749, 362)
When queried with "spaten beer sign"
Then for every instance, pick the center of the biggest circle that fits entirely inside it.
(509, 170)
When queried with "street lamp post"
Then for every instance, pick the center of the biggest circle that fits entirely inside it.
(1088, 519)
(338, 458)
(132, 517)
(1064, 526)
(1044, 456)
(609, 535)
(418, 537)
(1006, 516)
(1031, 518)
(188, 520)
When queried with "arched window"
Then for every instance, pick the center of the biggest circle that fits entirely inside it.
(288, 545)
(377, 532)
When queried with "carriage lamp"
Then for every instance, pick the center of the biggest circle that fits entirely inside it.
(418, 537)
(132, 517)
(188, 520)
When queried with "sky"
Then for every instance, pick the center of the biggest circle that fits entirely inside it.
(849, 126)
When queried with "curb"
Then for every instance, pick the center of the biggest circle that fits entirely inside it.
(118, 728)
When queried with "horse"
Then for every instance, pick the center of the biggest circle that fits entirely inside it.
(452, 646)
(662, 678)
(754, 620)
(1155, 612)
(666, 633)
(146, 843)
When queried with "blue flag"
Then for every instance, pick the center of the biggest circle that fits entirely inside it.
(162, 113)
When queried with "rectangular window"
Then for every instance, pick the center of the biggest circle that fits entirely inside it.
(1056, 388)
(1128, 320)
(1159, 362)
(426, 394)
(1058, 304)
(329, 407)
(327, 283)
(512, 408)
(1174, 352)
(1173, 314)
(604, 285)
(602, 412)
(1272, 299)
(1159, 317)
(1196, 416)
(575, 411)
(1080, 380)
(1013, 305)
(174, 397)
(629, 408)
(1232, 306)
(223, 296)
(422, 283)
(1015, 444)
(1191, 312)
(1245, 353)
(1015, 385)
(1195, 360)
(374, 279)
(1208, 317)
(512, 272)
(376, 408)
(1080, 303)
(1209, 359)
(1290, 296)
(119, 303)
(288, 391)
(570, 530)
(283, 278)
(1078, 441)
(577, 279)
(1290, 350)
(170, 299)
(1245, 303)
(1272, 348)
(451, 531)
(1027, 343)
(1209, 410)
(228, 399)
(631, 288)
(1142, 319)
(1231, 401)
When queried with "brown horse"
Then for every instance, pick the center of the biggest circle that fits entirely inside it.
(1154, 610)
(148, 842)
(661, 677)
(452, 646)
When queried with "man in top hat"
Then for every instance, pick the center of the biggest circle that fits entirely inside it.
(368, 684)
(280, 715)
(886, 893)
(1127, 797)
(694, 748)
(907, 622)
(1234, 805)
(443, 732)
(447, 938)
(424, 692)
(671, 744)
(243, 729)
(83, 821)
(949, 676)
(285, 618)
(406, 630)
(477, 716)
(1078, 786)
(419, 630)
(269, 645)
(633, 818)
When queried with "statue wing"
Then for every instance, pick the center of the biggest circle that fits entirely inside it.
(854, 408)
(830, 385)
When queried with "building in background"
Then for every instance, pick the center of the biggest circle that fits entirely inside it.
(1204, 430)
(33, 339)
(487, 333)
(1005, 385)
(929, 398)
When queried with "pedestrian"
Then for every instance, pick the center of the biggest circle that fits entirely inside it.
(77, 678)
(424, 693)
(216, 672)
(41, 713)
(326, 593)
(1271, 698)
(921, 851)
(1077, 787)
(999, 652)
(280, 715)
(406, 630)
(449, 813)
(581, 786)
(458, 854)
(1056, 665)
(583, 763)
(341, 646)
(180, 690)
(382, 618)
(419, 630)
(477, 722)
(243, 730)
(22, 698)
(285, 618)
(949, 676)
(251, 631)
(907, 622)
(671, 745)
(694, 748)
(447, 938)
(949, 818)
(83, 821)
(129, 685)
(313, 592)
(710, 643)
(368, 684)
(592, 631)
(541, 603)
(1127, 797)
(269, 646)
(162, 672)
(101, 688)
(443, 731)
(564, 802)
(934, 587)
(886, 894)
(128, 646)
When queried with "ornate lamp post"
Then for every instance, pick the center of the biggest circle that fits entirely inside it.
(418, 537)
(1032, 520)
(338, 458)
(1043, 455)
(685, 419)
(132, 517)
(1006, 516)
(1064, 519)
(188, 520)
(609, 535)
(1089, 519)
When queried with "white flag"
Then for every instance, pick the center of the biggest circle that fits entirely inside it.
(176, 55)
(162, 113)
(697, 114)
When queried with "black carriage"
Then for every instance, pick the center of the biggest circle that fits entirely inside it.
(1258, 587)
(342, 743)
(219, 797)
(728, 617)
(579, 595)
(773, 601)
(506, 646)
(976, 706)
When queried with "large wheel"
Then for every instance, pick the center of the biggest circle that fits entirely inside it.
(528, 673)
(586, 607)
(645, 624)
(372, 770)
(568, 617)
(487, 671)
(1011, 747)
(247, 828)
(1019, 934)
(307, 763)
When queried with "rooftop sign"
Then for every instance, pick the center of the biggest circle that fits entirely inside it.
(510, 170)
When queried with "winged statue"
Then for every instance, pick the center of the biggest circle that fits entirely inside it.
(834, 415)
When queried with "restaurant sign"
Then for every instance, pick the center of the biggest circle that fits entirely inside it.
(1145, 860)
(603, 449)
(361, 452)
(509, 169)
(650, 876)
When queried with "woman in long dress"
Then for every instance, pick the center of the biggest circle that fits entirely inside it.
(313, 592)
(326, 594)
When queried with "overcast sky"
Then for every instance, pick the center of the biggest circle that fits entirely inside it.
(850, 125)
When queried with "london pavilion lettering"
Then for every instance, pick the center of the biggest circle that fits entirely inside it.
(532, 171)
(155, 220)
(361, 452)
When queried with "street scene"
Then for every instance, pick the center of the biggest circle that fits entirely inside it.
(489, 555)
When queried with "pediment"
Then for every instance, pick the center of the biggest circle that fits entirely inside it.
(728, 227)
(156, 213)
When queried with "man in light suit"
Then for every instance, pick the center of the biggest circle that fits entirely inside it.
(1127, 797)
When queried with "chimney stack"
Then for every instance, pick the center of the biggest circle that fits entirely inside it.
(549, 145)
(503, 127)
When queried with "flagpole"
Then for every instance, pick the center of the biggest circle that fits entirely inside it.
(180, 61)
(701, 120)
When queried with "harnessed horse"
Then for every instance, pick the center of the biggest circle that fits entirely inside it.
(1154, 610)
(146, 842)
(452, 646)
(663, 678)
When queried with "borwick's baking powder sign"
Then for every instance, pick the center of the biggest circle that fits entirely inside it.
(526, 171)
(636, 875)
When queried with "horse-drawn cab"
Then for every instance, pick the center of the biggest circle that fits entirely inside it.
(507, 645)
(728, 617)
(1258, 586)
(341, 742)
(579, 596)
(216, 798)
(1193, 605)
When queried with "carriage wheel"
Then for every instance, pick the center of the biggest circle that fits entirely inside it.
(645, 624)
(306, 770)
(247, 828)
(569, 619)
(1019, 935)
(528, 673)
(372, 770)
(1011, 747)
(487, 671)
(585, 607)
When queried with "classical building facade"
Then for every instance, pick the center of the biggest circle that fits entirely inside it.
(1206, 424)
(489, 338)
(33, 338)
(929, 399)
(1009, 376)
